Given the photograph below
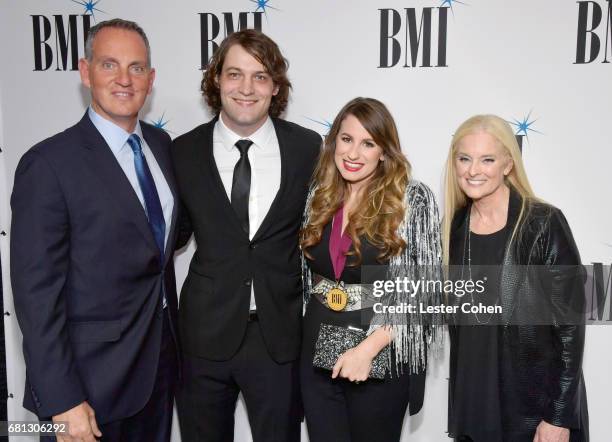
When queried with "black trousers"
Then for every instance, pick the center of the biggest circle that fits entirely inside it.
(209, 390)
(154, 422)
(338, 410)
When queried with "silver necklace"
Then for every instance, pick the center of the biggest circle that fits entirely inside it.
(469, 259)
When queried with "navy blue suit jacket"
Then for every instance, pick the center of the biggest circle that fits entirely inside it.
(86, 275)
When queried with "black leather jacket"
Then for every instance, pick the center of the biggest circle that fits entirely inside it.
(540, 365)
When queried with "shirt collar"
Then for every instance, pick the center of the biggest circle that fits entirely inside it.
(115, 136)
(260, 138)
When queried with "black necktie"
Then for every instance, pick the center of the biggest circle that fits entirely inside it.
(241, 184)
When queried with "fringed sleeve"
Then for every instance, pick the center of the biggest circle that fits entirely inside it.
(413, 334)
(306, 273)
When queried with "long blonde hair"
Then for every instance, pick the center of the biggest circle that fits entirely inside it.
(455, 199)
(381, 210)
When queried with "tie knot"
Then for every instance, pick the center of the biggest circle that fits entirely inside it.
(134, 142)
(243, 146)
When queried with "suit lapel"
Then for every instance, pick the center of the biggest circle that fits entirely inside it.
(210, 172)
(513, 271)
(284, 141)
(104, 165)
(166, 168)
(512, 274)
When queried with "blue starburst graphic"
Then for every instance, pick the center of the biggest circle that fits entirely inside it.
(450, 4)
(324, 123)
(160, 123)
(523, 127)
(90, 6)
(263, 5)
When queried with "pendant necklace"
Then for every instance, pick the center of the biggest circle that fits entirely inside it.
(337, 296)
(469, 259)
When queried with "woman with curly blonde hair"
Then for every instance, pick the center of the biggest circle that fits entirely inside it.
(364, 210)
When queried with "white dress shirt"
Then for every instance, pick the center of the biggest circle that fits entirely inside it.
(264, 156)
(116, 138)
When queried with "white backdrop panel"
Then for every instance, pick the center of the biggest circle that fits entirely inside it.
(515, 59)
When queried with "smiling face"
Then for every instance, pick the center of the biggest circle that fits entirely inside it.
(118, 76)
(357, 155)
(246, 90)
(481, 163)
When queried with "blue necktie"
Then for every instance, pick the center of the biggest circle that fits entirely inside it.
(149, 191)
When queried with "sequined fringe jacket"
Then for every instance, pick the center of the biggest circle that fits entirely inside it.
(413, 333)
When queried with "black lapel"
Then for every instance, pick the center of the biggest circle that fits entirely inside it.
(104, 165)
(163, 161)
(284, 136)
(208, 166)
(513, 274)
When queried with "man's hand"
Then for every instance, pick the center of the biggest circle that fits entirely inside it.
(81, 423)
(551, 433)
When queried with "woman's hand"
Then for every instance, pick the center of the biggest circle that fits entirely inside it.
(355, 364)
(546, 432)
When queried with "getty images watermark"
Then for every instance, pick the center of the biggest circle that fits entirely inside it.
(490, 295)
(457, 288)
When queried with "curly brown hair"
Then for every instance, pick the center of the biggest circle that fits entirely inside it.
(381, 210)
(265, 51)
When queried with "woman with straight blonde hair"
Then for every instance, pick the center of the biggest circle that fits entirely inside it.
(364, 210)
(516, 369)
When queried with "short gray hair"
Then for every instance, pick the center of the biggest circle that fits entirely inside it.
(117, 23)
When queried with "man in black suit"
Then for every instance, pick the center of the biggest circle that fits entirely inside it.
(91, 261)
(243, 179)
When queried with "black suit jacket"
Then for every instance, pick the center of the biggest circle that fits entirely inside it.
(86, 275)
(215, 298)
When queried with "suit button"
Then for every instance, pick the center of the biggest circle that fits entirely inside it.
(252, 246)
(247, 282)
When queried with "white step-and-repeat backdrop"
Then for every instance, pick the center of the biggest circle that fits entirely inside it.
(545, 66)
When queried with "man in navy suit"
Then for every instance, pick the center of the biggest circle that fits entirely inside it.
(91, 256)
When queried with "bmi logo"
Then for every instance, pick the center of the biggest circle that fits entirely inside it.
(211, 24)
(404, 35)
(594, 25)
(59, 39)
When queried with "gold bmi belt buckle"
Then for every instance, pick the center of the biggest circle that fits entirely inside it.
(338, 296)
